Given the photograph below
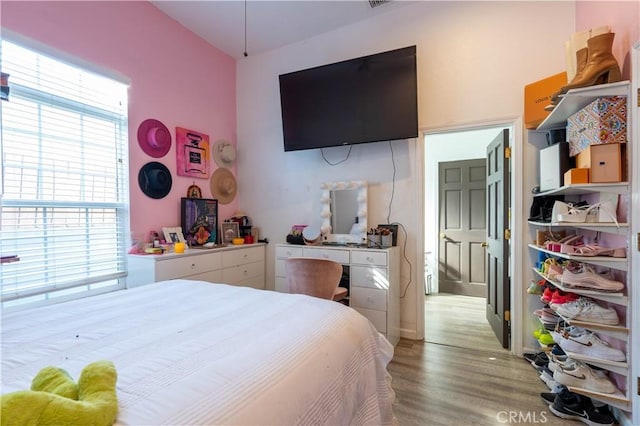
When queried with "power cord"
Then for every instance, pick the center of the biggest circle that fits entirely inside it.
(341, 161)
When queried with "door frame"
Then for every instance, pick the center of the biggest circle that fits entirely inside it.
(517, 251)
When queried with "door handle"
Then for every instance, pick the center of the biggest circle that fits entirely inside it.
(445, 237)
(484, 244)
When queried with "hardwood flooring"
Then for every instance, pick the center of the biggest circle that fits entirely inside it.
(462, 377)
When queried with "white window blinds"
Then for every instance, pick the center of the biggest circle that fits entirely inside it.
(64, 203)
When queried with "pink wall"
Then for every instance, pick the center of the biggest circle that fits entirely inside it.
(175, 77)
(623, 17)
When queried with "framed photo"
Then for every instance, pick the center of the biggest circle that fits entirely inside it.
(229, 231)
(192, 153)
(173, 235)
(199, 218)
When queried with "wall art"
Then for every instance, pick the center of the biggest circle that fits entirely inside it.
(192, 153)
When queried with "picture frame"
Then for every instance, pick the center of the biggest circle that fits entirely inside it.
(199, 219)
(229, 231)
(192, 153)
(173, 235)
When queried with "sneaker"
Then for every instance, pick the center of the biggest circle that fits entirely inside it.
(547, 294)
(557, 361)
(560, 297)
(581, 376)
(588, 344)
(587, 278)
(585, 309)
(553, 386)
(571, 406)
(538, 360)
(547, 316)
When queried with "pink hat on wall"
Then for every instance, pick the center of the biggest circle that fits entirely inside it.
(154, 138)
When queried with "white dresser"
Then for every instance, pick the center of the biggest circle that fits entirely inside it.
(374, 280)
(241, 265)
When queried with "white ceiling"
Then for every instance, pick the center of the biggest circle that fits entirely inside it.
(269, 24)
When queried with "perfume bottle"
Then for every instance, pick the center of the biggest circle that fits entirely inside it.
(195, 155)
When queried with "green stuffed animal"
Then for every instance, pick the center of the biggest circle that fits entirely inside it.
(55, 399)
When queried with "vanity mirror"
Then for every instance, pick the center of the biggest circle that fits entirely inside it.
(344, 212)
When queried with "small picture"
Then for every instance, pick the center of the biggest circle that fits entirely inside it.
(199, 218)
(229, 231)
(173, 235)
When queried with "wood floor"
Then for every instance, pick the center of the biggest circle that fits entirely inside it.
(462, 377)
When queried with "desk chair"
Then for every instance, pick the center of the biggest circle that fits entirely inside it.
(315, 277)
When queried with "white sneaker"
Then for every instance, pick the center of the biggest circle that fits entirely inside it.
(585, 309)
(559, 361)
(588, 344)
(580, 375)
(587, 278)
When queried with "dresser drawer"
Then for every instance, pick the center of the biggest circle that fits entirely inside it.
(235, 274)
(185, 266)
(340, 256)
(281, 269)
(377, 318)
(288, 251)
(362, 297)
(369, 257)
(211, 276)
(242, 256)
(367, 276)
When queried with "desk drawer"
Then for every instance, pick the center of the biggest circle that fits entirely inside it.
(369, 257)
(289, 251)
(186, 266)
(365, 276)
(362, 297)
(242, 256)
(340, 256)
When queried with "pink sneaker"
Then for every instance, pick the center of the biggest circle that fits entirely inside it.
(587, 278)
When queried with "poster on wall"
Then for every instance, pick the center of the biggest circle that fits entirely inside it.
(192, 151)
(199, 220)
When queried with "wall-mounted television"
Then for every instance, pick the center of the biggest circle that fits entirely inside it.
(368, 99)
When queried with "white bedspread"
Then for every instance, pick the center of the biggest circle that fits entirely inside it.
(190, 352)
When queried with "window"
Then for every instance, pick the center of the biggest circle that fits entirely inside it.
(64, 188)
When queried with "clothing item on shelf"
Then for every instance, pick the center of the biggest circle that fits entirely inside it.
(571, 406)
(585, 309)
(587, 344)
(581, 376)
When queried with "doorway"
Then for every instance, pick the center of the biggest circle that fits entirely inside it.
(458, 320)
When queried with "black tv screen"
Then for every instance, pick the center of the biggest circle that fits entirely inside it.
(368, 99)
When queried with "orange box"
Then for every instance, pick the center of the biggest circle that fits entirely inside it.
(537, 95)
(607, 163)
(576, 176)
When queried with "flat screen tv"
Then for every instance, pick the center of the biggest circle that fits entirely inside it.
(369, 99)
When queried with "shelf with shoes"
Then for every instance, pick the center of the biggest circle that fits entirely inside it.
(576, 99)
(616, 399)
(617, 298)
(619, 263)
(612, 233)
(611, 228)
(619, 188)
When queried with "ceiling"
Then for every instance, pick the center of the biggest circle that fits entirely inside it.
(269, 24)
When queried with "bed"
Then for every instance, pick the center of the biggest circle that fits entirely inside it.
(191, 352)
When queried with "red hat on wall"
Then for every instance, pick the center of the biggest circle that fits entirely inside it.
(154, 138)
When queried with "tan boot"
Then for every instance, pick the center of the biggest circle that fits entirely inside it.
(581, 62)
(601, 66)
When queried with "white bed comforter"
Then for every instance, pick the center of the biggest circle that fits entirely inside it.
(190, 352)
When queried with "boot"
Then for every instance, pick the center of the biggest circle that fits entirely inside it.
(601, 66)
(581, 62)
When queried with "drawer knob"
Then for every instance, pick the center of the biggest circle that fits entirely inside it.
(369, 259)
(246, 256)
(193, 266)
(326, 256)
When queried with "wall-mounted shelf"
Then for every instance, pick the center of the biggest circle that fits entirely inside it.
(578, 99)
(615, 298)
(619, 263)
(611, 228)
(587, 188)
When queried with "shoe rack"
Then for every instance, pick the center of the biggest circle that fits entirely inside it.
(618, 336)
